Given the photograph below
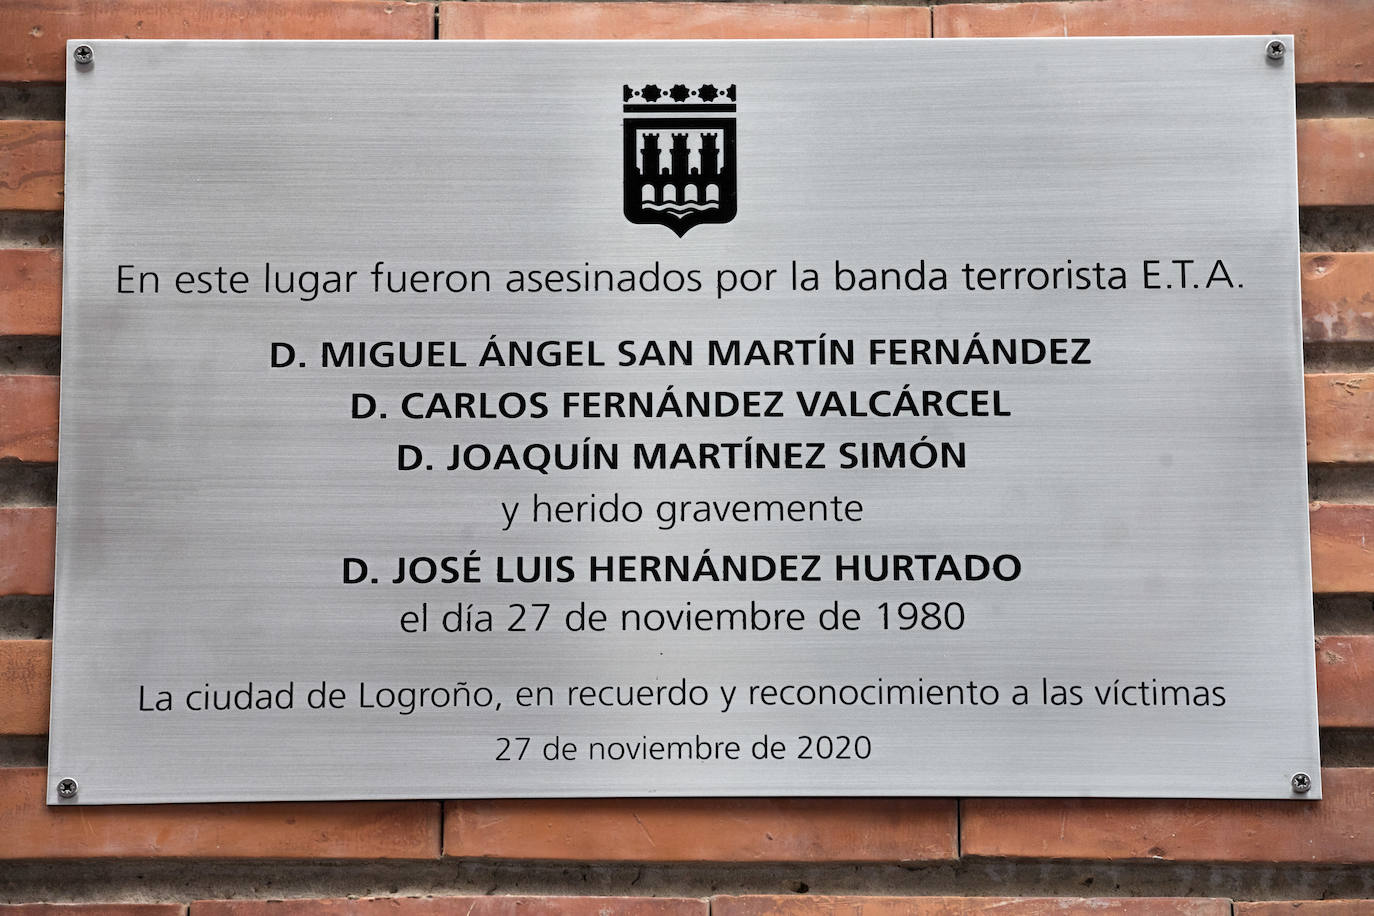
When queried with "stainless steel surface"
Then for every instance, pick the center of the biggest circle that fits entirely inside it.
(1153, 497)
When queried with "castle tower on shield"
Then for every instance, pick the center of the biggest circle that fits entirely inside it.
(680, 155)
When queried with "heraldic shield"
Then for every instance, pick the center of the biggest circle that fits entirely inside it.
(680, 155)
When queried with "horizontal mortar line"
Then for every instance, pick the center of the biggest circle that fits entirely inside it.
(82, 880)
(36, 241)
(1338, 531)
(1362, 110)
(1339, 423)
(1332, 166)
(47, 25)
(1346, 729)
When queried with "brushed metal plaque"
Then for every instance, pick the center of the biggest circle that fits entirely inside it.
(449, 419)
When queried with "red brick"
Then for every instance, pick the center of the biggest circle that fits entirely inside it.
(1342, 548)
(1345, 684)
(25, 676)
(793, 905)
(1334, 38)
(704, 830)
(1333, 153)
(31, 157)
(92, 909)
(1340, 418)
(28, 417)
(37, 30)
(1336, 162)
(1338, 297)
(1345, 681)
(28, 539)
(458, 906)
(30, 291)
(680, 20)
(1306, 908)
(286, 830)
(1339, 829)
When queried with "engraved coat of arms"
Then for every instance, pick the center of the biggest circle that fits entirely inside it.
(680, 155)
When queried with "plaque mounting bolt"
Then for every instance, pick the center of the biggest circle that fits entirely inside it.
(83, 54)
(1276, 49)
(1302, 783)
(67, 788)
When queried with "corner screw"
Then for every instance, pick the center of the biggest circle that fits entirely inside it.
(83, 54)
(1275, 50)
(1302, 783)
(67, 788)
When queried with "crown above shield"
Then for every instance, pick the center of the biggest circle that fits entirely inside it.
(678, 94)
(679, 167)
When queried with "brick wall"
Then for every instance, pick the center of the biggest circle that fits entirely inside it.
(738, 856)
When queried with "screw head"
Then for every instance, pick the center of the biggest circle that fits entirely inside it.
(1302, 783)
(67, 788)
(1276, 49)
(83, 54)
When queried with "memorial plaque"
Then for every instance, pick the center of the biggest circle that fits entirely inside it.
(450, 419)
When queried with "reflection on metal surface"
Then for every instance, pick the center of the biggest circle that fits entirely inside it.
(944, 438)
